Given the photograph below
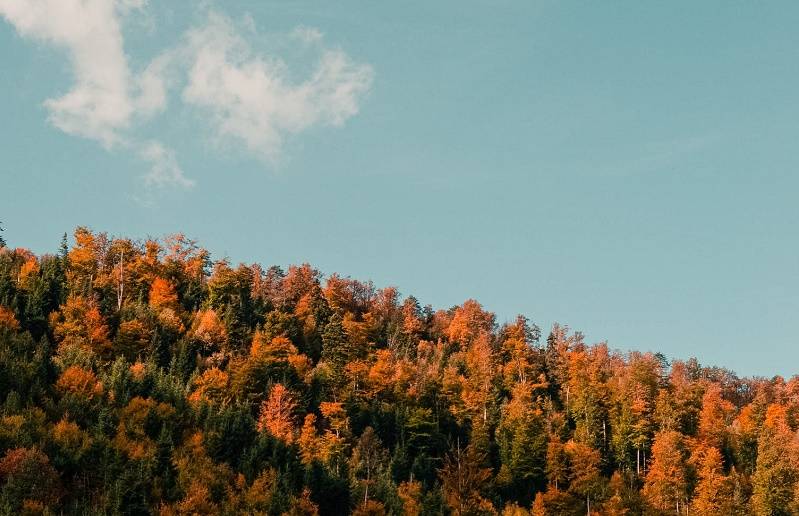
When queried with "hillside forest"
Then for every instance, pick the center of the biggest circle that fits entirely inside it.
(143, 377)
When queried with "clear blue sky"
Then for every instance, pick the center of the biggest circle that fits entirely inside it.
(628, 169)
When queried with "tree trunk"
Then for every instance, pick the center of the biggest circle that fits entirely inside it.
(637, 461)
(121, 284)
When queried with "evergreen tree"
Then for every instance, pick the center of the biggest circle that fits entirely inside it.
(337, 351)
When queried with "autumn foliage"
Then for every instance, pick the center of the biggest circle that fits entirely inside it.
(143, 378)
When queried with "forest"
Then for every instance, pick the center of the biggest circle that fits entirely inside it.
(143, 377)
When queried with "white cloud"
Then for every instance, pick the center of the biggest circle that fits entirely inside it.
(251, 98)
(99, 105)
(165, 169)
(152, 85)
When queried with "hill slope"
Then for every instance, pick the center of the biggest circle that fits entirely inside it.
(141, 377)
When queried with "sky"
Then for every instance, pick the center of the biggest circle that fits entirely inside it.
(627, 169)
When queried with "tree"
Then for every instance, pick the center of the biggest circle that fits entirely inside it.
(585, 479)
(84, 260)
(133, 339)
(140, 423)
(163, 294)
(634, 390)
(302, 505)
(538, 509)
(666, 485)
(555, 502)
(63, 252)
(522, 361)
(410, 492)
(462, 478)
(469, 382)
(8, 319)
(587, 394)
(521, 438)
(277, 414)
(715, 416)
(28, 475)
(775, 476)
(80, 323)
(337, 351)
(209, 330)
(713, 493)
(72, 441)
(334, 443)
(79, 382)
(211, 386)
(368, 458)
(370, 508)
(412, 323)
(468, 322)
(615, 504)
(308, 440)
(557, 463)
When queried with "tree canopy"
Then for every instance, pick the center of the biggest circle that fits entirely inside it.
(141, 377)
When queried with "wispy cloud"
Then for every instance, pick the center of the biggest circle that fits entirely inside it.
(247, 96)
(165, 169)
